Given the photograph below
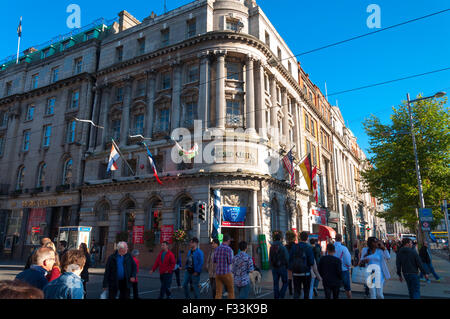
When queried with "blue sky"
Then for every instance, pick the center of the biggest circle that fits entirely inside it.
(410, 49)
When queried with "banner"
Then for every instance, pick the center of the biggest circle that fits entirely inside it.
(234, 216)
(166, 234)
(138, 234)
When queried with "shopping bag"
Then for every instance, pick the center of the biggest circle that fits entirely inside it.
(359, 275)
(104, 294)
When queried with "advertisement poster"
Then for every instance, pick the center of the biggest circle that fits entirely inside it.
(36, 217)
(84, 235)
(234, 216)
(138, 234)
(166, 234)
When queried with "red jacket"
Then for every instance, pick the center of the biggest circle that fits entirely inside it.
(167, 265)
(53, 274)
(137, 266)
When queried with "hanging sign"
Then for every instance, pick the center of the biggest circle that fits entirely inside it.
(166, 234)
(138, 234)
(234, 216)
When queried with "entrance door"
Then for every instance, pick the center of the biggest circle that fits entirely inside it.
(237, 235)
(103, 242)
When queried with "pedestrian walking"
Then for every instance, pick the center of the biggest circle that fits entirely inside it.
(135, 254)
(120, 272)
(85, 273)
(36, 274)
(317, 250)
(330, 268)
(279, 259)
(377, 254)
(166, 263)
(62, 248)
(408, 263)
(16, 289)
(289, 245)
(30, 259)
(69, 285)
(94, 253)
(56, 269)
(223, 258)
(211, 266)
(344, 255)
(301, 259)
(425, 257)
(193, 267)
(242, 267)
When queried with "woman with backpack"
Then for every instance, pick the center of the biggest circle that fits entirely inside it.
(278, 258)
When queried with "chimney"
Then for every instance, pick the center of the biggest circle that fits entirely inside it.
(126, 20)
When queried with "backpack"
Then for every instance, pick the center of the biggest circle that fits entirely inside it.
(276, 256)
(299, 265)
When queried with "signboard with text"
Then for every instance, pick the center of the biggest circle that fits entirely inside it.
(166, 234)
(426, 214)
(234, 216)
(138, 234)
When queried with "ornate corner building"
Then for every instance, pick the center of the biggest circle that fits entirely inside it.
(218, 62)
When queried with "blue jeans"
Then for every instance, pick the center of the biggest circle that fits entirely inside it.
(430, 269)
(166, 280)
(413, 282)
(242, 292)
(195, 281)
(278, 273)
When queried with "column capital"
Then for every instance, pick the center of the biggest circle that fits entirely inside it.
(250, 58)
(204, 55)
(220, 53)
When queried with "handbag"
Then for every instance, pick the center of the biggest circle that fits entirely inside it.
(359, 275)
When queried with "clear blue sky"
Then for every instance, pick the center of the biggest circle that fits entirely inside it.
(414, 48)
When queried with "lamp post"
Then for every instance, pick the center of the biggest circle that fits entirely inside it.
(419, 178)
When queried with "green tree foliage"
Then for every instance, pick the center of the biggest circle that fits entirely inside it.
(391, 176)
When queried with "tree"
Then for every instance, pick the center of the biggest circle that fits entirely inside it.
(391, 175)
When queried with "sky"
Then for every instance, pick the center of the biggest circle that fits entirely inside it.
(414, 48)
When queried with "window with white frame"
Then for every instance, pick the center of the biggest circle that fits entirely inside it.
(46, 136)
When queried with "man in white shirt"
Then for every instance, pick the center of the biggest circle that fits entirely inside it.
(344, 255)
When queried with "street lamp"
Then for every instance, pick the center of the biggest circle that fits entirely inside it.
(419, 178)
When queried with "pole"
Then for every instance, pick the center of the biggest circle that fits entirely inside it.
(18, 41)
(419, 178)
(123, 157)
(446, 223)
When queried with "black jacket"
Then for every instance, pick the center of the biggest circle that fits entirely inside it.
(85, 272)
(330, 269)
(424, 256)
(408, 262)
(110, 277)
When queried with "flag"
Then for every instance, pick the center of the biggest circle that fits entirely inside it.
(152, 163)
(314, 184)
(288, 161)
(305, 167)
(113, 157)
(19, 28)
(187, 154)
(216, 219)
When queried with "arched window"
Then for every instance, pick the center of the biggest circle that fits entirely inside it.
(274, 215)
(41, 175)
(128, 214)
(102, 212)
(67, 172)
(20, 177)
(154, 218)
(185, 216)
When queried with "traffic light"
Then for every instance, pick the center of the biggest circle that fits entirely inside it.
(201, 208)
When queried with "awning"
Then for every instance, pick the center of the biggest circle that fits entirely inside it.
(326, 232)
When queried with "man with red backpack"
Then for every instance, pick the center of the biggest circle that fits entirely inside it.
(301, 259)
(278, 258)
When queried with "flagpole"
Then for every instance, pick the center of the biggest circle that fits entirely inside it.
(123, 157)
(18, 41)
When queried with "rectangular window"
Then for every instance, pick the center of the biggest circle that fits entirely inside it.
(55, 73)
(234, 115)
(2, 143)
(193, 73)
(141, 46)
(314, 155)
(119, 94)
(308, 147)
(119, 54)
(138, 124)
(71, 127)
(233, 70)
(279, 54)
(30, 112)
(191, 114)
(47, 135)
(267, 39)
(78, 65)
(289, 67)
(26, 140)
(165, 37)
(140, 88)
(8, 88)
(34, 80)
(162, 123)
(191, 28)
(307, 122)
(75, 99)
(165, 81)
(313, 127)
(115, 128)
(50, 108)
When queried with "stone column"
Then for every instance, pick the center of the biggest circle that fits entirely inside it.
(104, 110)
(285, 108)
(94, 118)
(125, 120)
(176, 103)
(149, 116)
(220, 90)
(273, 99)
(203, 105)
(250, 95)
(261, 102)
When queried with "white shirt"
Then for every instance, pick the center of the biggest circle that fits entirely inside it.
(344, 255)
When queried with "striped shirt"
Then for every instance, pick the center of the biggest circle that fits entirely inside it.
(223, 257)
